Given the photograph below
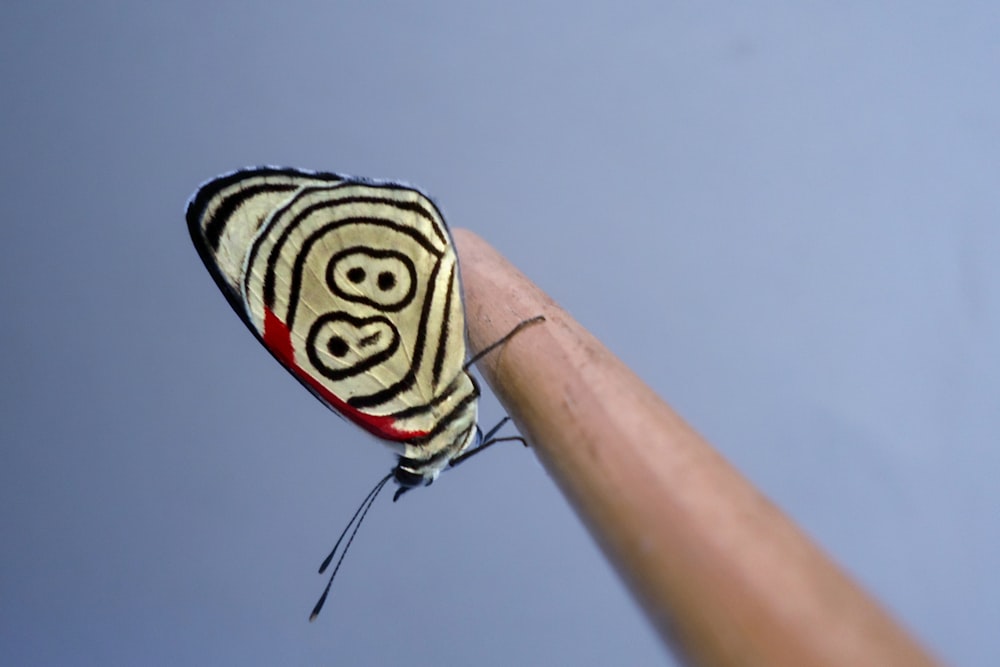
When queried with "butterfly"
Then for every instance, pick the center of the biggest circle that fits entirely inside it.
(353, 286)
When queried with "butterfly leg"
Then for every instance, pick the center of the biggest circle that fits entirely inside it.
(493, 431)
(488, 440)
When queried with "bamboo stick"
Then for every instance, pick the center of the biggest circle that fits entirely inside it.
(721, 572)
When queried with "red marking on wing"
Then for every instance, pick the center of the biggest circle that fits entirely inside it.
(278, 339)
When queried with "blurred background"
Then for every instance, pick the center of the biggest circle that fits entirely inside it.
(784, 217)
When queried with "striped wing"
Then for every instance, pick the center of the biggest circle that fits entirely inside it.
(352, 285)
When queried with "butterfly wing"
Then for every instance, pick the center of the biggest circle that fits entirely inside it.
(352, 285)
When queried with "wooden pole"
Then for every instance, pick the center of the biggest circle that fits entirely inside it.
(721, 572)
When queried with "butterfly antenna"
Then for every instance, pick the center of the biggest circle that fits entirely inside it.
(356, 521)
(510, 334)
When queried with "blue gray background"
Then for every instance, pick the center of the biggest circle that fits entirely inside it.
(784, 217)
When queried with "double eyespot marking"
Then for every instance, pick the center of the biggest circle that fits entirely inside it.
(385, 280)
(340, 345)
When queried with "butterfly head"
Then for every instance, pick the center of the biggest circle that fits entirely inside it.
(407, 478)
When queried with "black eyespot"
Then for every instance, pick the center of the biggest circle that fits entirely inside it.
(386, 281)
(356, 275)
(338, 346)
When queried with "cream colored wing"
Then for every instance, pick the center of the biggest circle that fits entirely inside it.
(352, 285)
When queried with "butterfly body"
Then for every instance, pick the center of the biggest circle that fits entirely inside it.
(353, 285)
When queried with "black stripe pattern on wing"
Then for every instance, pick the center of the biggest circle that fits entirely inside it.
(209, 232)
(458, 410)
(217, 225)
(410, 378)
(272, 259)
(442, 346)
(391, 228)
